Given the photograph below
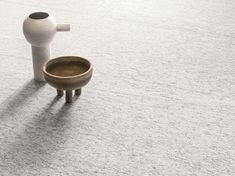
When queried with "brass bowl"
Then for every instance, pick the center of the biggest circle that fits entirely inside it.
(68, 73)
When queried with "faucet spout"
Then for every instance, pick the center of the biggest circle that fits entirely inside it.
(62, 27)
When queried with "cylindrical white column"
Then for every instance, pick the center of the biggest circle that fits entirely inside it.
(40, 56)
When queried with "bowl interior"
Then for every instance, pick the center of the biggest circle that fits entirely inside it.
(67, 66)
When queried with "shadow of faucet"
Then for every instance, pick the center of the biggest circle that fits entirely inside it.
(41, 139)
(43, 135)
(18, 99)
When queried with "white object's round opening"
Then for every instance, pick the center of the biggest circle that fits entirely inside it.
(38, 15)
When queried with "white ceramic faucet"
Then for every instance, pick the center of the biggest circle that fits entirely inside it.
(39, 29)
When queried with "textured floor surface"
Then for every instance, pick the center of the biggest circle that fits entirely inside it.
(161, 101)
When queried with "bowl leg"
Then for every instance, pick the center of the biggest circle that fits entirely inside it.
(68, 97)
(78, 91)
(60, 92)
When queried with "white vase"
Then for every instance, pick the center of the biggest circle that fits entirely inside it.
(39, 29)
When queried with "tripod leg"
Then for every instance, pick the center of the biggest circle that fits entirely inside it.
(78, 92)
(60, 92)
(68, 97)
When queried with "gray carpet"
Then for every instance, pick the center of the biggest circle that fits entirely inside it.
(161, 101)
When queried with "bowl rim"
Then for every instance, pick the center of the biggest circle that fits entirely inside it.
(67, 77)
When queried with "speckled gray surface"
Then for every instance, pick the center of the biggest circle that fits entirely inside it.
(161, 102)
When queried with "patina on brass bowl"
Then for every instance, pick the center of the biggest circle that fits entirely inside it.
(68, 73)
